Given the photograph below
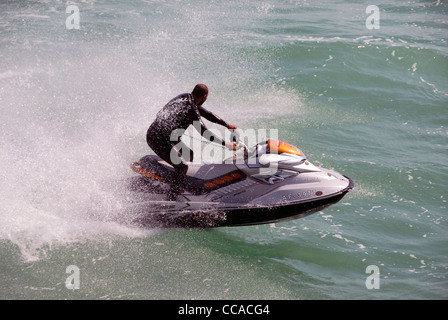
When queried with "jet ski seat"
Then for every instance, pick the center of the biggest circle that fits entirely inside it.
(150, 167)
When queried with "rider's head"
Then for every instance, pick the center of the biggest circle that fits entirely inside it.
(200, 94)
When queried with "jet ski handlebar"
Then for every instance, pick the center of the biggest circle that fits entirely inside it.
(235, 138)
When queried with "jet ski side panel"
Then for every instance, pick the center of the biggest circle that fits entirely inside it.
(282, 212)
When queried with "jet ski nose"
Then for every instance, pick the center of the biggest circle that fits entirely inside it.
(335, 182)
(344, 183)
(351, 183)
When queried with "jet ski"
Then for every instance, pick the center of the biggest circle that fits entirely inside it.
(270, 182)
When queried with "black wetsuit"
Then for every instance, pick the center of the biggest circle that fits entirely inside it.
(179, 113)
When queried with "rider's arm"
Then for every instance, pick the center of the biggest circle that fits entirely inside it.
(195, 118)
(210, 116)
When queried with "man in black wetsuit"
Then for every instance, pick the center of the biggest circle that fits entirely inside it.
(180, 113)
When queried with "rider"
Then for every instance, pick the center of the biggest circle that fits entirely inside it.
(180, 113)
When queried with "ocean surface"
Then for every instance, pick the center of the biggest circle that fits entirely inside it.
(369, 100)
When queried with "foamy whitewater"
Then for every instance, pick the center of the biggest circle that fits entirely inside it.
(369, 103)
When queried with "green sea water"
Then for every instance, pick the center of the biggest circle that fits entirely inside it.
(369, 103)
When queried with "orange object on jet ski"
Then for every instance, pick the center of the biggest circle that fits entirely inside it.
(277, 146)
(136, 167)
